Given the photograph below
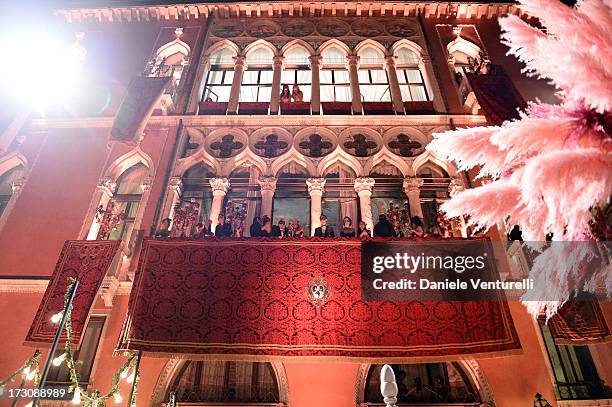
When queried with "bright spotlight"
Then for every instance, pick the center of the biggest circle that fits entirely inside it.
(37, 71)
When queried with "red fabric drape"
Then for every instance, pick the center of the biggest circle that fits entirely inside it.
(496, 95)
(85, 260)
(249, 299)
(579, 322)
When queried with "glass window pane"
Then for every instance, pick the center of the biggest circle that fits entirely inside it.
(327, 93)
(325, 76)
(343, 94)
(341, 76)
(401, 76)
(248, 94)
(364, 76)
(406, 96)
(306, 90)
(264, 94)
(288, 76)
(215, 77)
(250, 77)
(418, 93)
(266, 77)
(414, 76)
(229, 77)
(304, 77)
(379, 76)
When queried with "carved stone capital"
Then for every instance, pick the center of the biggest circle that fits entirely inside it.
(352, 60)
(278, 60)
(146, 184)
(315, 61)
(107, 186)
(316, 186)
(364, 185)
(412, 184)
(220, 186)
(390, 61)
(267, 183)
(176, 184)
(455, 186)
(17, 185)
(239, 61)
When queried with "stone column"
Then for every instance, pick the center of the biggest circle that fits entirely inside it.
(268, 187)
(106, 188)
(199, 83)
(353, 66)
(315, 95)
(411, 189)
(431, 84)
(277, 69)
(316, 187)
(174, 193)
(394, 87)
(219, 186)
(454, 187)
(146, 185)
(232, 106)
(363, 187)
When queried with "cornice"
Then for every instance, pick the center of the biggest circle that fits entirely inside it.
(245, 120)
(195, 11)
(23, 286)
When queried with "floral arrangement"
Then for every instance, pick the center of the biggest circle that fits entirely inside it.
(108, 219)
(396, 214)
(185, 217)
(236, 210)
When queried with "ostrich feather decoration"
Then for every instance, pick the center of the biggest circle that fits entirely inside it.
(554, 164)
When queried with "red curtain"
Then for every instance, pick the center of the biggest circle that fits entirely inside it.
(88, 262)
(252, 299)
(579, 322)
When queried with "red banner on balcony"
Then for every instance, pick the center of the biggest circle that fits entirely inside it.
(256, 299)
(85, 260)
(579, 322)
(496, 95)
(138, 103)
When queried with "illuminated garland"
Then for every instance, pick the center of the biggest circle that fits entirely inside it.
(29, 371)
(80, 395)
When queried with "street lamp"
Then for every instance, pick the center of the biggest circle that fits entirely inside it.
(540, 402)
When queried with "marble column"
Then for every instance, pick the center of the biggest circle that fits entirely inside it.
(412, 190)
(431, 84)
(239, 66)
(106, 188)
(363, 187)
(277, 70)
(454, 187)
(268, 187)
(219, 186)
(315, 95)
(316, 187)
(394, 87)
(353, 66)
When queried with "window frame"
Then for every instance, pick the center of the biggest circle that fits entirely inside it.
(335, 84)
(259, 85)
(364, 85)
(207, 85)
(406, 86)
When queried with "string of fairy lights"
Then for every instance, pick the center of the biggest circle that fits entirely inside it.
(30, 370)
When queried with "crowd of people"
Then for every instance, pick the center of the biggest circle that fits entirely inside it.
(262, 227)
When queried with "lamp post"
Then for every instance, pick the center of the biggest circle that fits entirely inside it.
(540, 402)
(388, 386)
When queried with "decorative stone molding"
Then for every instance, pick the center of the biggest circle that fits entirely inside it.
(108, 289)
(412, 184)
(315, 60)
(267, 183)
(352, 60)
(107, 185)
(220, 186)
(146, 184)
(455, 186)
(23, 286)
(316, 186)
(17, 185)
(240, 61)
(364, 184)
(278, 60)
(175, 184)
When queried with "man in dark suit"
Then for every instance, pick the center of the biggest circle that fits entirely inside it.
(279, 230)
(224, 229)
(324, 230)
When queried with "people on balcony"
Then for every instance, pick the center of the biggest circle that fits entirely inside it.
(324, 230)
(224, 227)
(164, 228)
(295, 229)
(266, 226)
(297, 95)
(347, 229)
(280, 230)
(383, 228)
(363, 231)
(285, 96)
(255, 229)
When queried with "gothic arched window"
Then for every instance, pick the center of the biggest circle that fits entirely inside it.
(335, 82)
(425, 384)
(218, 85)
(409, 76)
(228, 383)
(373, 81)
(297, 71)
(257, 79)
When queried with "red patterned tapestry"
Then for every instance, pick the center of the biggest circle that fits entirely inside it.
(253, 299)
(85, 260)
(496, 95)
(579, 322)
(137, 105)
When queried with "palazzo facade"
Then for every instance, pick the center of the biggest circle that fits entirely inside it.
(377, 80)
